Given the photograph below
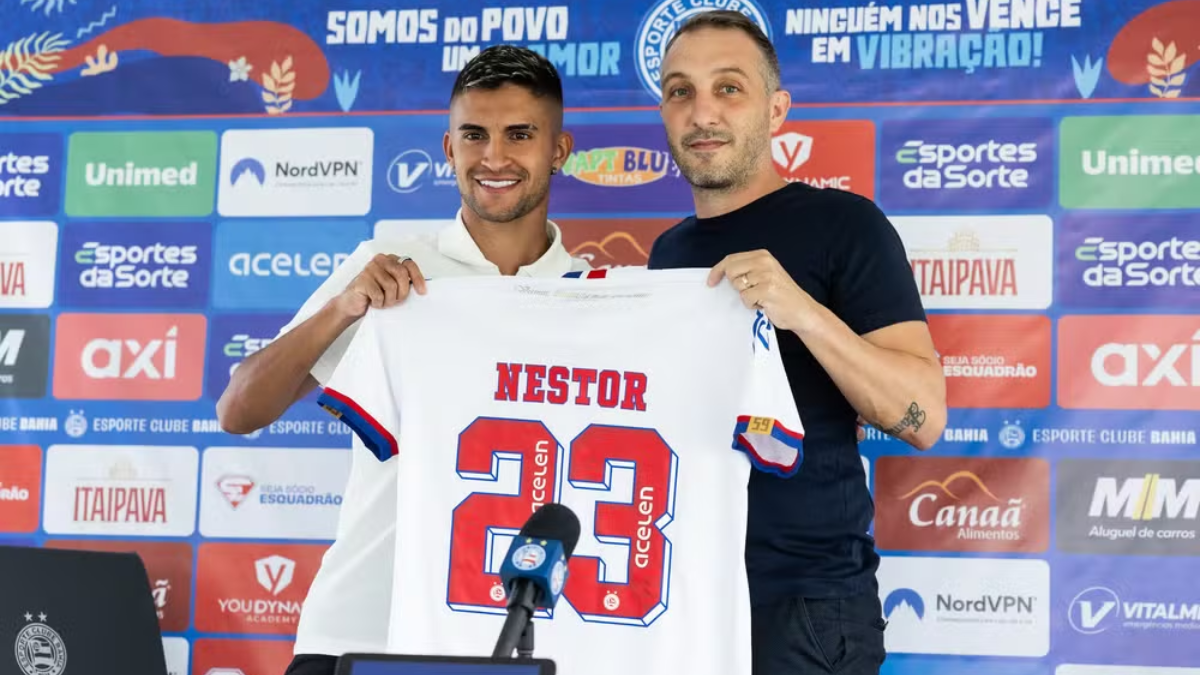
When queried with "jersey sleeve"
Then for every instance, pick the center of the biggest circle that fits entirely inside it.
(360, 392)
(768, 427)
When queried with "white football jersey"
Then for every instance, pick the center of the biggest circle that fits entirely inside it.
(641, 400)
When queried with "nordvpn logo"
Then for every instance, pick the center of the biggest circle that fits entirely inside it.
(247, 169)
(904, 602)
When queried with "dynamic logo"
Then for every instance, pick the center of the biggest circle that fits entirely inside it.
(1123, 261)
(146, 173)
(296, 172)
(169, 566)
(136, 265)
(233, 337)
(608, 243)
(981, 262)
(1135, 362)
(30, 174)
(20, 488)
(1130, 162)
(121, 490)
(994, 361)
(1140, 507)
(27, 255)
(967, 164)
(272, 493)
(620, 168)
(827, 154)
(24, 355)
(145, 357)
(253, 588)
(659, 25)
(961, 504)
(274, 265)
(966, 606)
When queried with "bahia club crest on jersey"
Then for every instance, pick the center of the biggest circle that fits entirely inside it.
(641, 400)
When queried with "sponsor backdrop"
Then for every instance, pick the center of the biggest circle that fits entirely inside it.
(176, 178)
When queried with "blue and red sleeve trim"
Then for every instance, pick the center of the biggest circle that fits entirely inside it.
(377, 439)
(593, 274)
(761, 455)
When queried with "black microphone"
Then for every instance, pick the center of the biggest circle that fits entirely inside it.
(534, 573)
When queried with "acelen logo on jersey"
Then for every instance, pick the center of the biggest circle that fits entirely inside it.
(967, 164)
(150, 357)
(254, 588)
(994, 361)
(30, 174)
(962, 504)
(1142, 362)
(20, 487)
(136, 265)
(831, 153)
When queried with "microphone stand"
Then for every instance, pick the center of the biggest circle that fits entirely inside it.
(525, 646)
(517, 631)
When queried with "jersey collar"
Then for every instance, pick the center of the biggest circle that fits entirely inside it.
(456, 243)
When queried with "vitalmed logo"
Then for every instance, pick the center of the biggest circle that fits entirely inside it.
(608, 243)
(136, 265)
(168, 566)
(20, 487)
(1128, 507)
(27, 256)
(272, 492)
(1003, 163)
(966, 606)
(232, 338)
(277, 265)
(121, 490)
(620, 168)
(834, 153)
(1122, 261)
(296, 172)
(148, 357)
(253, 588)
(1135, 362)
(414, 168)
(30, 174)
(981, 262)
(994, 361)
(962, 504)
(24, 355)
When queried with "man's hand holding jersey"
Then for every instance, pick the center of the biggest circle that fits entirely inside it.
(384, 282)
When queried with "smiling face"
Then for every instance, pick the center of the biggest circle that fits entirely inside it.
(503, 144)
(717, 110)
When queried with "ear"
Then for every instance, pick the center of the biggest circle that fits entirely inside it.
(447, 148)
(562, 148)
(781, 103)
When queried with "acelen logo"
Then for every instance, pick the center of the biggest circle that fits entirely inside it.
(994, 361)
(1000, 163)
(1142, 362)
(148, 357)
(136, 265)
(20, 487)
(608, 243)
(962, 504)
(254, 588)
(830, 153)
(30, 174)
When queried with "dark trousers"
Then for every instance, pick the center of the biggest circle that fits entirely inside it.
(799, 636)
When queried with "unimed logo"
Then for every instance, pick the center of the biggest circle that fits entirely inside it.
(145, 173)
(254, 588)
(154, 357)
(830, 153)
(994, 361)
(1130, 162)
(1142, 362)
(20, 487)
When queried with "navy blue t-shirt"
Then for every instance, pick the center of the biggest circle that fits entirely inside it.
(807, 535)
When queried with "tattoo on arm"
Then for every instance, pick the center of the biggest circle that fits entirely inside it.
(913, 418)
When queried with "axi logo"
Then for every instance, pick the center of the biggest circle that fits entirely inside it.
(30, 174)
(157, 357)
(277, 265)
(135, 265)
(1129, 363)
(827, 154)
(233, 338)
(966, 164)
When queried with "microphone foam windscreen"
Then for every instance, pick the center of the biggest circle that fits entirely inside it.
(554, 521)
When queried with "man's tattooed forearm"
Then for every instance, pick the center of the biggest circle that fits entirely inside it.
(913, 418)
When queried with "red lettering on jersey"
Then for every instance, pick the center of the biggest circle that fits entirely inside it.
(609, 389)
(552, 384)
(533, 384)
(508, 378)
(583, 376)
(635, 392)
(559, 377)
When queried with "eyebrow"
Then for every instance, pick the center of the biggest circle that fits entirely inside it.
(716, 71)
(467, 126)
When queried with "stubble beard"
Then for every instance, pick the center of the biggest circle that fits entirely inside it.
(734, 172)
(527, 203)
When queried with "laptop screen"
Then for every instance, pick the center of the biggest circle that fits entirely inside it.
(390, 667)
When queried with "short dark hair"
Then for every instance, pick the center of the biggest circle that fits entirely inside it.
(725, 19)
(499, 65)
